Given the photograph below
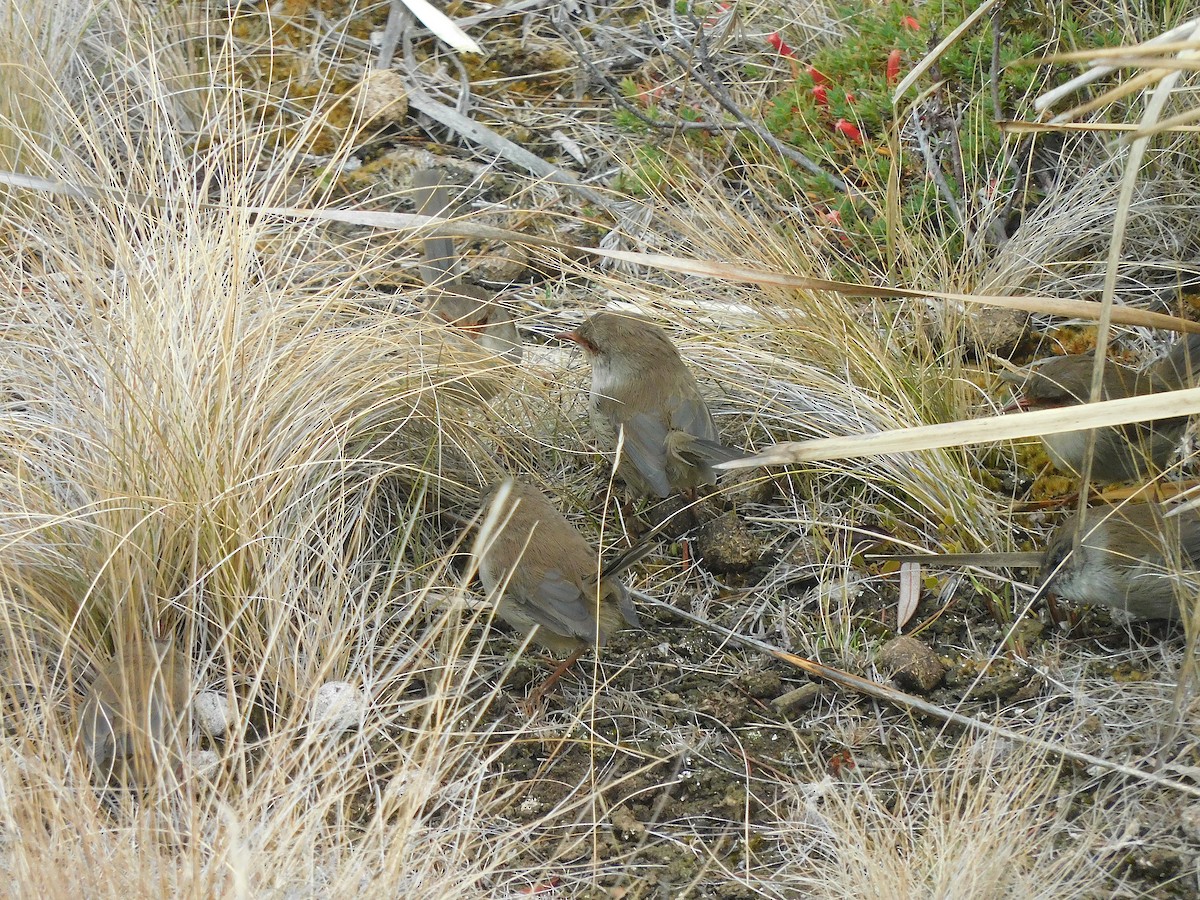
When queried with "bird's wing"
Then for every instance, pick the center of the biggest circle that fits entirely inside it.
(689, 413)
(560, 606)
(645, 446)
(698, 452)
(694, 437)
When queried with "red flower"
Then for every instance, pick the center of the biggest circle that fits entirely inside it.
(910, 23)
(820, 95)
(893, 66)
(849, 130)
(850, 98)
(841, 760)
(817, 75)
(777, 42)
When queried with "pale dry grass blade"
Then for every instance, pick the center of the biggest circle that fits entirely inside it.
(442, 26)
(980, 431)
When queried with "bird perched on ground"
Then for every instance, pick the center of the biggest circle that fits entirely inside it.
(643, 389)
(468, 307)
(1123, 452)
(545, 575)
(1130, 558)
(133, 720)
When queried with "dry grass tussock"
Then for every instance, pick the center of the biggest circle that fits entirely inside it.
(212, 424)
(207, 429)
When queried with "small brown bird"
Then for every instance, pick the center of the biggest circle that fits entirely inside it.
(1124, 452)
(1130, 558)
(641, 386)
(546, 575)
(133, 720)
(465, 306)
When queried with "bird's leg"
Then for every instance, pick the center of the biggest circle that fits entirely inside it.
(1056, 615)
(538, 695)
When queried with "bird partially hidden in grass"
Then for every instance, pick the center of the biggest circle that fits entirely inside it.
(467, 307)
(1123, 452)
(644, 396)
(1132, 558)
(133, 722)
(544, 575)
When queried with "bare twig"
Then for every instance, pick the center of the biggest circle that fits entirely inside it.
(571, 36)
(900, 698)
(476, 133)
(935, 171)
(398, 19)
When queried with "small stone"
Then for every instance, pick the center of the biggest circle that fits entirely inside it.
(795, 702)
(760, 685)
(1189, 822)
(213, 713)
(750, 485)
(626, 825)
(338, 706)
(382, 96)
(913, 665)
(726, 546)
(203, 762)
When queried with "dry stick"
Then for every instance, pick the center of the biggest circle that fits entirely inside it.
(1171, 123)
(1125, 88)
(559, 23)
(521, 8)
(968, 432)
(1161, 62)
(472, 131)
(900, 698)
(1022, 126)
(700, 268)
(935, 171)
(708, 268)
(398, 18)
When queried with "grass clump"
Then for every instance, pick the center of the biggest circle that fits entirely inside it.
(240, 428)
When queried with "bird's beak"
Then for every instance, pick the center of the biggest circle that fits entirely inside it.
(1017, 404)
(570, 336)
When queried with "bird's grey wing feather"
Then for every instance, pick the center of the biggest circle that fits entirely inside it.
(99, 736)
(627, 609)
(692, 415)
(560, 607)
(698, 451)
(1180, 367)
(645, 446)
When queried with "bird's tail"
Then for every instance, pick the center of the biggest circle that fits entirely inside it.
(1180, 368)
(432, 199)
(696, 450)
(630, 557)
